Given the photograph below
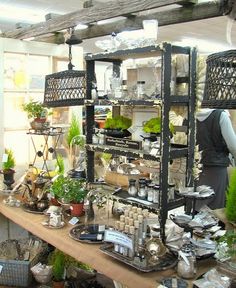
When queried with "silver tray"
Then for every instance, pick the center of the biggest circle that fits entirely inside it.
(76, 231)
(167, 261)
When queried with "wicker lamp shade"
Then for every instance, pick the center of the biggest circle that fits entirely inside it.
(220, 86)
(66, 88)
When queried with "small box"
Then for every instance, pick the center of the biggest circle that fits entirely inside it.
(122, 180)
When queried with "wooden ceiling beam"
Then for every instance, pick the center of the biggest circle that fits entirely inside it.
(173, 16)
(92, 14)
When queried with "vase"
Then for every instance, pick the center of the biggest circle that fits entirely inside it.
(77, 209)
(8, 178)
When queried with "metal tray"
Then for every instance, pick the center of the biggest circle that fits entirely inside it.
(167, 261)
(76, 231)
(29, 209)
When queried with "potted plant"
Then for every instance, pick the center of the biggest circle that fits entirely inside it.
(75, 146)
(117, 126)
(38, 112)
(57, 261)
(230, 210)
(153, 127)
(7, 168)
(71, 191)
(228, 253)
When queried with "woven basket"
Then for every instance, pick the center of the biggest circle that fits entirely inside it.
(220, 86)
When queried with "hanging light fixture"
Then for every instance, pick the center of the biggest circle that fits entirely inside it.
(66, 88)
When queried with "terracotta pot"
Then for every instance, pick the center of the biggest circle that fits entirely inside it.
(56, 284)
(39, 124)
(77, 209)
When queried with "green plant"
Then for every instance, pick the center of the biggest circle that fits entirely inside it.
(153, 125)
(230, 239)
(118, 122)
(60, 166)
(230, 210)
(70, 190)
(10, 161)
(57, 260)
(73, 132)
(35, 109)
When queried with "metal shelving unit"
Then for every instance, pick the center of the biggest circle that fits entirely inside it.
(165, 101)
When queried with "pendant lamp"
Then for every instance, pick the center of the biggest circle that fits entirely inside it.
(66, 88)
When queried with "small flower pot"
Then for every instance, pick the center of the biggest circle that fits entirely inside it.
(58, 284)
(77, 209)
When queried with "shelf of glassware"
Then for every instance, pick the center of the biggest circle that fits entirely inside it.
(174, 152)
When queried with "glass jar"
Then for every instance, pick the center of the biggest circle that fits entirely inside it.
(132, 190)
(140, 89)
(156, 190)
(146, 144)
(142, 193)
(150, 192)
(186, 267)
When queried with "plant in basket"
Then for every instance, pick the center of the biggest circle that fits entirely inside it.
(7, 168)
(38, 113)
(117, 126)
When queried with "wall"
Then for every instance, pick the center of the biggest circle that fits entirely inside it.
(9, 229)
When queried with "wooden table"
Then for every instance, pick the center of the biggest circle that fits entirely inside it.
(88, 253)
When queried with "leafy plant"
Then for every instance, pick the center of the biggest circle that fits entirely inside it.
(153, 125)
(60, 166)
(230, 210)
(230, 239)
(70, 190)
(57, 260)
(35, 109)
(73, 132)
(118, 122)
(10, 163)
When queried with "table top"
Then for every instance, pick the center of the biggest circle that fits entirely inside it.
(89, 253)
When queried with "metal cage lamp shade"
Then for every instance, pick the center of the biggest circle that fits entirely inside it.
(66, 88)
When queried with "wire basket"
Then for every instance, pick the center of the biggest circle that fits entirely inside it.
(220, 86)
(65, 88)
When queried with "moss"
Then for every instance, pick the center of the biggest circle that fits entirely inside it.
(118, 122)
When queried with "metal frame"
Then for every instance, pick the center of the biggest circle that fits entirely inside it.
(166, 101)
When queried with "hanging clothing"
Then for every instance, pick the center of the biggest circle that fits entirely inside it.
(216, 138)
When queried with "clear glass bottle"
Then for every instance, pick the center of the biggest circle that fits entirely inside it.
(156, 191)
(132, 190)
(150, 192)
(142, 193)
(140, 90)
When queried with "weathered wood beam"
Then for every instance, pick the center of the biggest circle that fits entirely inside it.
(88, 15)
(173, 16)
